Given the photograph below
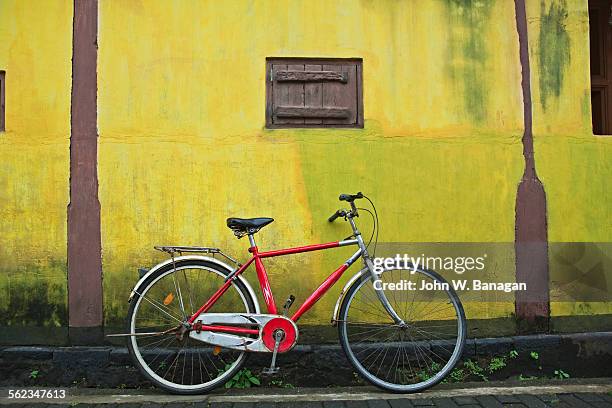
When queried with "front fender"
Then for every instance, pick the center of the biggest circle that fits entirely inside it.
(334, 320)
(198, 258)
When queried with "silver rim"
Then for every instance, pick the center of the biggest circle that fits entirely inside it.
(403, 359)
(163, 345)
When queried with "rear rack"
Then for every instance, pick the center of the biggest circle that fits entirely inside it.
(173, 250)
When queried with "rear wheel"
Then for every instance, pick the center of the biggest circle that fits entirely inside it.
(403, 358)
(163, 302)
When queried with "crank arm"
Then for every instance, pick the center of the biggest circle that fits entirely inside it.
(273, 368)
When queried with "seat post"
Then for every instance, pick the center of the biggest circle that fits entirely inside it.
(252, 240)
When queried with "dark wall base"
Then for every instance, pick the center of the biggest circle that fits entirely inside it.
(31, 336)
(86, 336)
(584, 355)
(321, 334)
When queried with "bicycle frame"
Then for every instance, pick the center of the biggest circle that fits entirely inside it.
(264, 283)
(262, 277)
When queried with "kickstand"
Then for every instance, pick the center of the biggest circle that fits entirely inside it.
(273, 369)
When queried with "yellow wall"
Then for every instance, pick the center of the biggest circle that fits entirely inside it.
(573, 164)
(35, 52)
(183, 144)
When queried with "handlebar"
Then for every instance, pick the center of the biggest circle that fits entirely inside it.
(350, 198)
(339, 213)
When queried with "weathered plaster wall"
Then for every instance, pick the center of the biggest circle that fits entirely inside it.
(35, 49)
(573, 164)
(182, 144)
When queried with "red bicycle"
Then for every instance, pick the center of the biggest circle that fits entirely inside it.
(193, 319)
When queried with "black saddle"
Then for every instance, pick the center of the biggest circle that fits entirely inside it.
(243, 226)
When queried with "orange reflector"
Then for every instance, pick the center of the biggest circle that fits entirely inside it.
(216, 351)
(168, 299)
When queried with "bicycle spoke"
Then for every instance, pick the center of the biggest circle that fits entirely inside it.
(180, 360)
(191, 304)
(180, 295)
(408, 355)
(157, 305)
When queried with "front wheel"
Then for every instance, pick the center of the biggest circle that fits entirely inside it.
(406, 357)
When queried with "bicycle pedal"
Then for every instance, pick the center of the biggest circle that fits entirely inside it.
(288, 304)
(270, 370)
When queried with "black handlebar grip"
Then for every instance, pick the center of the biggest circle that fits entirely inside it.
(350, 197)
(334, 216)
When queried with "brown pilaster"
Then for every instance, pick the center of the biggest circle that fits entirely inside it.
(84, 244)
(531, 237)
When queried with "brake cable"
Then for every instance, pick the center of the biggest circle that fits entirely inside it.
(377, 225)
(373, 226)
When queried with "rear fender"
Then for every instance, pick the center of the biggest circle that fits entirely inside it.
(223, 265)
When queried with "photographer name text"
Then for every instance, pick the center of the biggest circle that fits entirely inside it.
(457, 284)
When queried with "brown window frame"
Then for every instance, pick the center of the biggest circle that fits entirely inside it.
(601, 81)
(2, 98)
(358, 62)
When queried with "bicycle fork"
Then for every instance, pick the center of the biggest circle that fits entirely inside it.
(370, 266)
(381, 294)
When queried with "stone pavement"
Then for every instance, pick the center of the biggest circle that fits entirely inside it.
(578, 394)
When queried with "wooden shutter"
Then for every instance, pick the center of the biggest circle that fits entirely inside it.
(314, 93)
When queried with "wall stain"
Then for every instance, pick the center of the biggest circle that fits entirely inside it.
(34, 297)
(554, 49)
(586, 111)
(468, 53)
